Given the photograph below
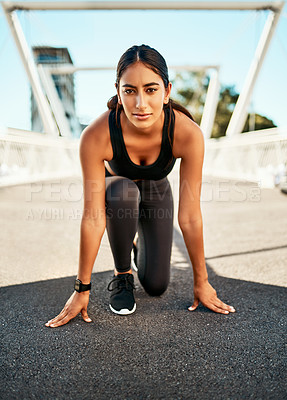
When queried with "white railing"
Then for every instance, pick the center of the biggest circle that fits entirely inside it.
(29, 157)
(259, 156)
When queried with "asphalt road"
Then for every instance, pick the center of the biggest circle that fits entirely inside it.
(162, 351)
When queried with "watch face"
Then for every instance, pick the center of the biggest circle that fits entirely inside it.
(77, 285)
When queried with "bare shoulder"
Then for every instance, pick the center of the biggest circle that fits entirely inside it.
(96, 138)
(188, 136)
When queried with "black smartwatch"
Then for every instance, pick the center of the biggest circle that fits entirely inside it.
(80, 287)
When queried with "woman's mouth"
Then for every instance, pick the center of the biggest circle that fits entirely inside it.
(142, 116)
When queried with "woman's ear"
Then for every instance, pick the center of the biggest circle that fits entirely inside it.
(167, 93)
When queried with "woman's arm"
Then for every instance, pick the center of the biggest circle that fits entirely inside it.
(189, 146)
(92, 155)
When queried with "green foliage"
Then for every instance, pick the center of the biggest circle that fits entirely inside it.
(191, 88)
(256, 122)
(227, 99)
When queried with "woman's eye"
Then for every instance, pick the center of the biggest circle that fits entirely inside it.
(128, 91)
(151, 90)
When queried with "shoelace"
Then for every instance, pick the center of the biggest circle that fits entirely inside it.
(122, 281)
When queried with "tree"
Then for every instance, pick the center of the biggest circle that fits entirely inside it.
(191, 88)
(259, 122)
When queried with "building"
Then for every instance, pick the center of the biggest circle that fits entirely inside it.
(64, 84)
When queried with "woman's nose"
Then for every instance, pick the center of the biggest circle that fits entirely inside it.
(140, 101)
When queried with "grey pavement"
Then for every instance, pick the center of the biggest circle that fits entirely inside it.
(162, 351)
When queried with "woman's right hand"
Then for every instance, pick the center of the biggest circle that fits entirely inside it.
(77, 303)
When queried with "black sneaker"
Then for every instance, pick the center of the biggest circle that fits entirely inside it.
(122, 299)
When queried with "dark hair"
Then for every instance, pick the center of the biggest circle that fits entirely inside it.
(152, 59)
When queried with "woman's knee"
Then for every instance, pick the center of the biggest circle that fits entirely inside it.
(155, 288)
(122, 192)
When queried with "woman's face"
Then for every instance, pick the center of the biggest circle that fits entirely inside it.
(142, 95)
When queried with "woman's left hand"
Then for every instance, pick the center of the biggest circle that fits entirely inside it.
(206, 294)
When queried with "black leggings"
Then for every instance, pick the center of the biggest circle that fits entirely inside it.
(145, 207)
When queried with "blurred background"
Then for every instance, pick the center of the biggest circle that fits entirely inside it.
(206, 50)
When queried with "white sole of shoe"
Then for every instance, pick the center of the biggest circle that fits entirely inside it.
(123, 311)
(133, 264)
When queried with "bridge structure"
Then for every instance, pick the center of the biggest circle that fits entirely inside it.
(254, 156)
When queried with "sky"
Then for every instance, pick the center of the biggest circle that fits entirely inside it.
(98, 38)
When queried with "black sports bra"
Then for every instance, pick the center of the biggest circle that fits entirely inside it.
(122, 165)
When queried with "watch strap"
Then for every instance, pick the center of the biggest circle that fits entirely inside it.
(80, 287)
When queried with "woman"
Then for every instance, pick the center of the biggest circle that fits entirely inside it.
(126, 155)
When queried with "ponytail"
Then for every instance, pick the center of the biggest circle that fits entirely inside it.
(113, 104)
